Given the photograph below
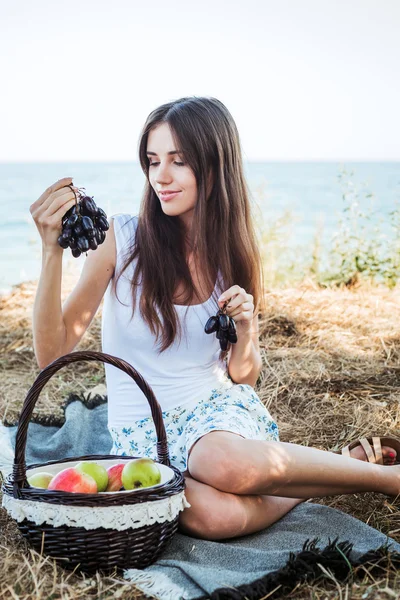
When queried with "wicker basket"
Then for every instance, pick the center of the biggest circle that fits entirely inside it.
(98, 548)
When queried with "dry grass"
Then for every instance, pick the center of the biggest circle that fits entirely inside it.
(331, 374)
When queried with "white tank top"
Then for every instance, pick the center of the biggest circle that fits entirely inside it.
(186, 372)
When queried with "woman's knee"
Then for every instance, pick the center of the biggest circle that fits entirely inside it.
(220, 458)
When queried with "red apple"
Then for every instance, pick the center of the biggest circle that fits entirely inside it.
(114, 477)
(71, 480)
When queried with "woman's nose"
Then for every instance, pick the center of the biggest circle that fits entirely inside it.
(163, 174)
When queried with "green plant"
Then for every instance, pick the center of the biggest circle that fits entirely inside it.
(281, 263)
(359, 248)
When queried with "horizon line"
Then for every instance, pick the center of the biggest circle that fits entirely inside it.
(253, 160)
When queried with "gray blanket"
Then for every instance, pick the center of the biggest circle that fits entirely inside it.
(306, 544)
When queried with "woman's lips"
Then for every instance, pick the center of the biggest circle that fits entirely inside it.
(166, 197)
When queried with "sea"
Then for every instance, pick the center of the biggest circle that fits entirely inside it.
(297, 198)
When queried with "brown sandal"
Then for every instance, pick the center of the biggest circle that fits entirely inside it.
(377, 443)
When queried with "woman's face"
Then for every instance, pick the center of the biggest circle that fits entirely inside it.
(169, 172)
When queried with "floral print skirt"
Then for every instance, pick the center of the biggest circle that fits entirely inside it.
(231, 407)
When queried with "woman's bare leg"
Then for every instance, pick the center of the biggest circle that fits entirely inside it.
(243, 466)
(216, 515)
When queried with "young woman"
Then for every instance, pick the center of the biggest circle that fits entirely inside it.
(163, 273)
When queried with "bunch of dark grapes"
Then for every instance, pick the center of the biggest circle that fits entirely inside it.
(84, 226)
(225, 327)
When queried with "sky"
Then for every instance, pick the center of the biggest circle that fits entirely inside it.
(314, 80)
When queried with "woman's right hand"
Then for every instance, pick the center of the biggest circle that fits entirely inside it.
(48, 211)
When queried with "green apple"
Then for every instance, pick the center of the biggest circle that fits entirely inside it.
(98, 472)
(140, 472)
(40, 480)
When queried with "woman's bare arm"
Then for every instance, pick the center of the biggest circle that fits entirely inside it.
(57, 329)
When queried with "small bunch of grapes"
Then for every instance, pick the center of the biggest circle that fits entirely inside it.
(84, 226)
(225, 327)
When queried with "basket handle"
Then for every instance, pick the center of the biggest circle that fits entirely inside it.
(19, 469)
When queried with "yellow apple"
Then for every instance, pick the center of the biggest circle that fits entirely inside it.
(98, 472)
(140, 472)
(40, 479)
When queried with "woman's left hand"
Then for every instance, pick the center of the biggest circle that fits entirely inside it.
(240, 307)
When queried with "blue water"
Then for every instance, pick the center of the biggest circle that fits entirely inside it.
(312, 191)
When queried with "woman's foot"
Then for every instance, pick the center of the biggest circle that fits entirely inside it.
(389, 454)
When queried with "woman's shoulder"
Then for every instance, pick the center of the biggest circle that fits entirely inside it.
(121, 219)
(124, 225)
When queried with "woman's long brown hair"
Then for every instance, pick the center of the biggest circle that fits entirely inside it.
(223, 234)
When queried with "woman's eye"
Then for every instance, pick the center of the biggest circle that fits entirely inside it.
(180, 164)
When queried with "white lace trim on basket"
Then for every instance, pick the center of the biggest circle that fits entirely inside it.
(110, 517)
